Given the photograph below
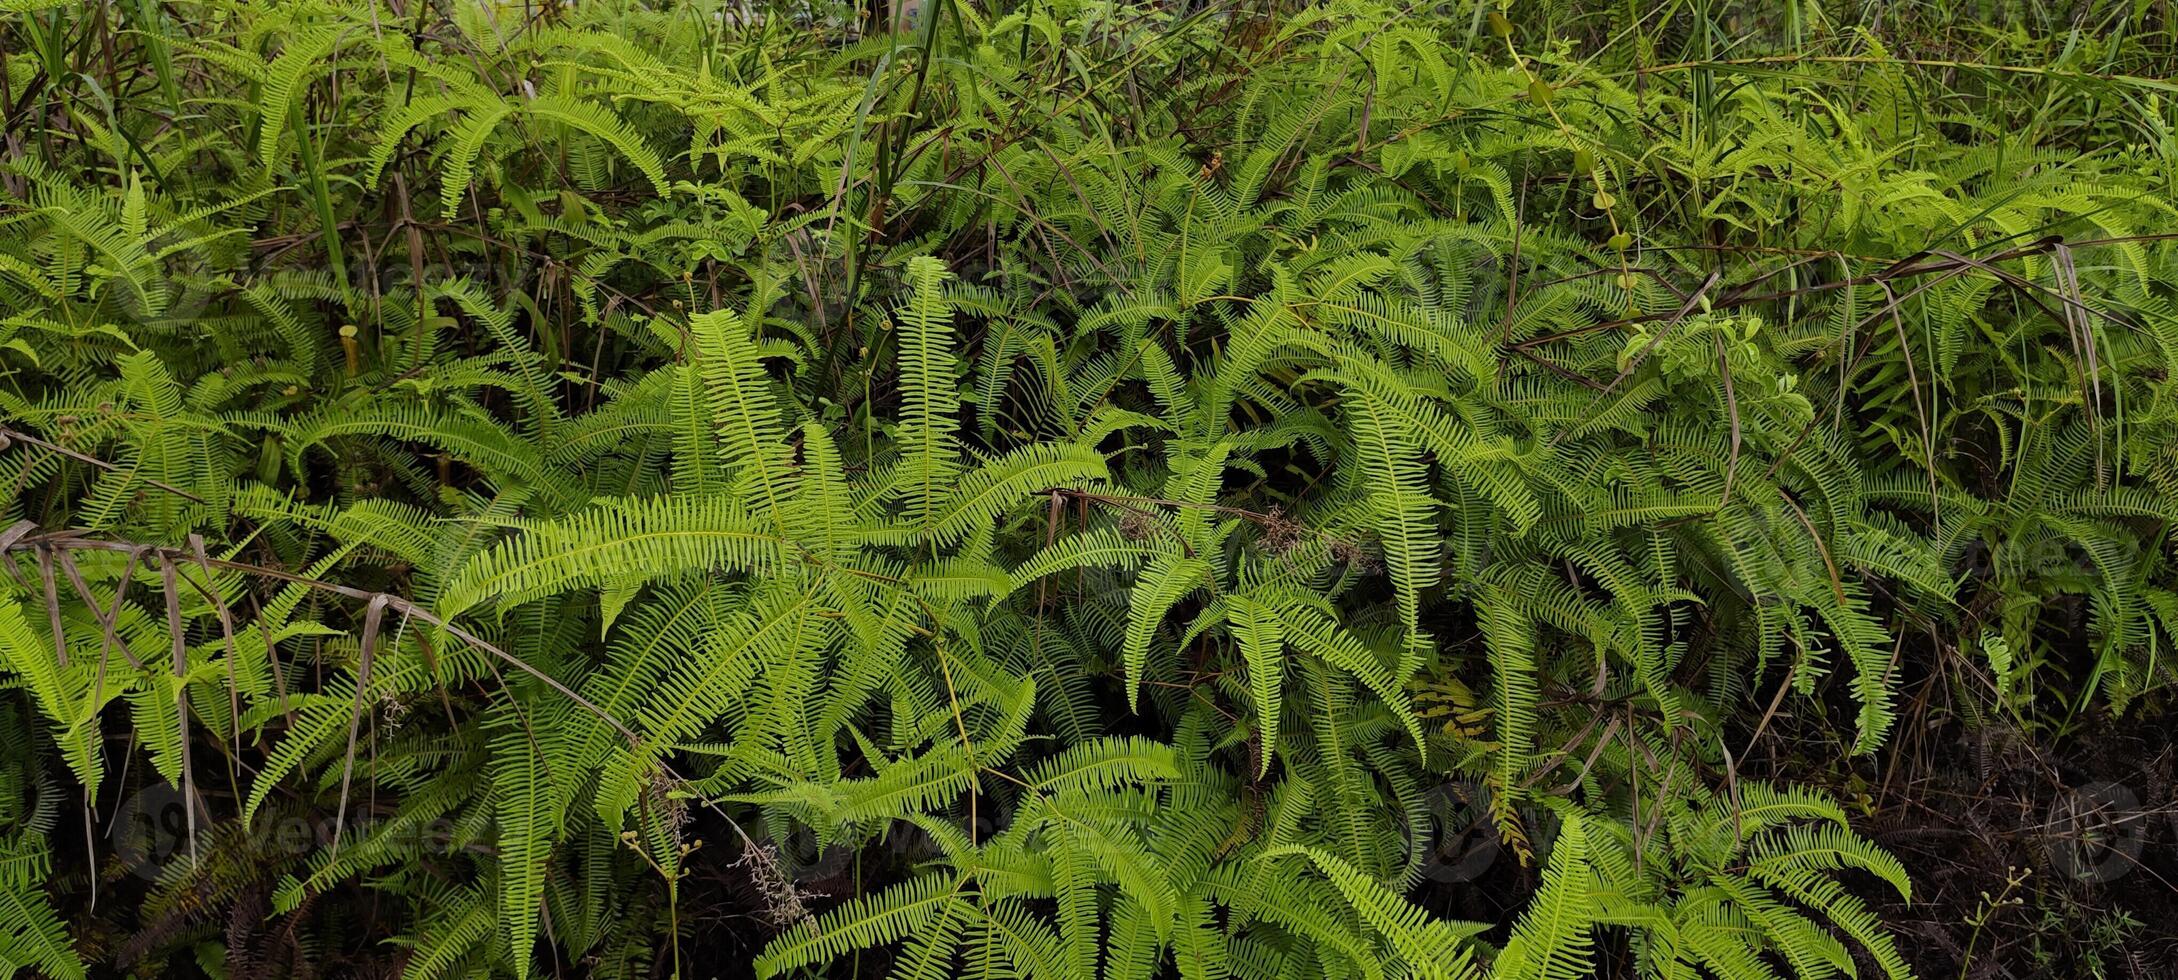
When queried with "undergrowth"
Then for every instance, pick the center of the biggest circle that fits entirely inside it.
(1077, 489)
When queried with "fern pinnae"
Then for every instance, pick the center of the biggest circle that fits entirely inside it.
(1429, 947)
(752, 435)
(930, 399)
(1552, 940)
(661, 537)
(872, 920)
(1255, 626)
(1167, 579)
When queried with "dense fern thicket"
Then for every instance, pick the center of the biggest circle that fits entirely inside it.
(1086, 489)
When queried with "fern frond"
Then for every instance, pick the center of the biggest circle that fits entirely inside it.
(866, 922)
(1553, 939)
(654, 539)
